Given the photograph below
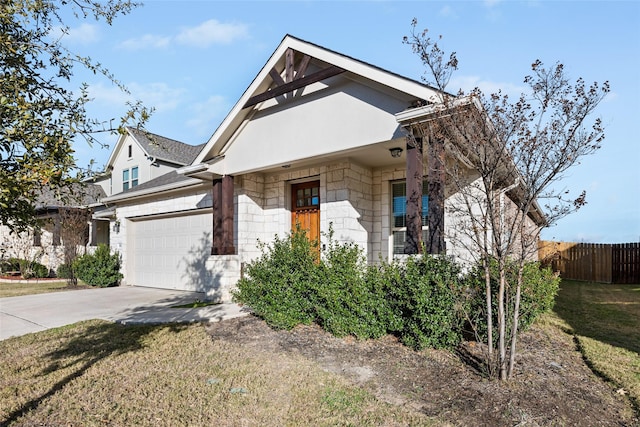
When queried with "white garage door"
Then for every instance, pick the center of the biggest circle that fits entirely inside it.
(171, 252)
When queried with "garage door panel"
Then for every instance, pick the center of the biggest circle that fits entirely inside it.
(170, 252)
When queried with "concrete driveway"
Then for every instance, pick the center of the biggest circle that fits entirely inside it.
(126, 304)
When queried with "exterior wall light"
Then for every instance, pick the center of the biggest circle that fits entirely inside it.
(395, 152)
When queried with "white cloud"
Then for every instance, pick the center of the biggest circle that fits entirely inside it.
(204, 35)
(491, 3)
(146, 41)
(447, 12)
(212, 32)
(207, 115)
(160, 96)
(84, 34)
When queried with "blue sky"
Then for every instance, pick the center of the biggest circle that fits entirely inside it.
(192, 60)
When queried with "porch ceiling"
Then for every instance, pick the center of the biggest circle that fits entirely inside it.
(373, 156)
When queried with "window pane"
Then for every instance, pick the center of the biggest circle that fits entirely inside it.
(125, 186)
(425, 210)
(315, 201)
(134, 173)
(399, 211)
(134, 183)
(125, 175)
(314, 191)
(398, 242)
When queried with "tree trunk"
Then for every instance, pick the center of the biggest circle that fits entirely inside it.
(501, 322)
(516, 316)
(487, 278)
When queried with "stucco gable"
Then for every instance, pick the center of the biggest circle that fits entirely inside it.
(336, 65)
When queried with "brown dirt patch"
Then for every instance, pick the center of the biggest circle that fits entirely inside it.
(552, 385)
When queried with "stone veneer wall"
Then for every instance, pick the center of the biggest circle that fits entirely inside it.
(12, 245)
(346, 201)
(355, 199)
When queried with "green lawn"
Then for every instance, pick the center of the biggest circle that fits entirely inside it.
(98, 373)
(13, 289)
(605, 320)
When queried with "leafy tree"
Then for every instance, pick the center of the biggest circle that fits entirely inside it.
(40, 111)
(507, 157)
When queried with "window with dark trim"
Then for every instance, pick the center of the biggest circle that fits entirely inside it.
(399, 215)
(130, 151)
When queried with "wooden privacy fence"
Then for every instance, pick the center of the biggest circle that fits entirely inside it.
(595, 262)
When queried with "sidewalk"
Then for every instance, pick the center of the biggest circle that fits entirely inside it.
(127, 304)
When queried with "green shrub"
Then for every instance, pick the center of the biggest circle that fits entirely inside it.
(64, 271)
(537, 296)
(100, 269)
(426, 292)
(28, 269)
(10, 264)
(288, 285)
(35, 270)
(278, 285)
(349, 300)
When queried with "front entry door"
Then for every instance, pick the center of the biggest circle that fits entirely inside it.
(305, 208)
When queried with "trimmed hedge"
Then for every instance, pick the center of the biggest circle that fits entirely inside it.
(425, 300)
(539, 289)
(101, 268)
(28, 269)
(288, 285)
(427, 293)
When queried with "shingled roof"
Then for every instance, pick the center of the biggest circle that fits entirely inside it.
(76, 195)
(166, 149)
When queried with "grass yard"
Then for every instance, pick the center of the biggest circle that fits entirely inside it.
(14, 289)
(605, 321)
(99, 373)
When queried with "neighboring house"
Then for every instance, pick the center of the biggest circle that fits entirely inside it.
(45, 244)
(318, 138)
(138, 157)
(141, 156)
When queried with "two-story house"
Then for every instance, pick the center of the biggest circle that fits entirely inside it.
(137, 157)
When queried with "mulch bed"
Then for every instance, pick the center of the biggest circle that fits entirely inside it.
(19, 278)
(552, 384)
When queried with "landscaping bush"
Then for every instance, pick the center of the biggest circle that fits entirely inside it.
(427, 293)
(349, 300)
(288, 285)
(539, 289)
(64, 271)
(35, 270)
(100, 269)
(28, 269)
(278, 285)
(10, 264)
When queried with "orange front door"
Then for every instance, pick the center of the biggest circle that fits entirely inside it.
(305, 208)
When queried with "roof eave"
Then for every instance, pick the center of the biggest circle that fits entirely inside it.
(352, 65)
(131, 195)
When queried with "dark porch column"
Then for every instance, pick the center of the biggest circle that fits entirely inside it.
(223, 230)
(413, 241)
(435, 191)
